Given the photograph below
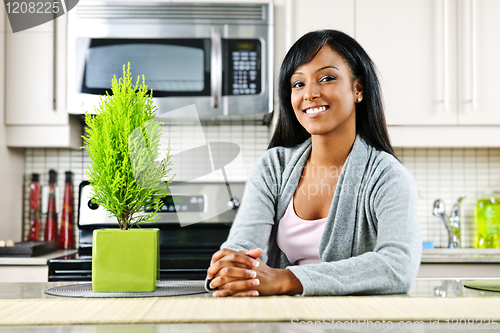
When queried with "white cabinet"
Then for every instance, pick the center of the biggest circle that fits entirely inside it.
(437, 59)
(30, 93)
(38, 273)
(410, 43)
(310, 15)
(461, 270)
(35, 110)
(28, 269)
(437, 63)
(478, 57)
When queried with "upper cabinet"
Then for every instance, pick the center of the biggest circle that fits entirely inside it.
(35, 108)
(412, 44)
(30, 77)
(437, 62)
(437, 59)
(310, 15)
(478, 57)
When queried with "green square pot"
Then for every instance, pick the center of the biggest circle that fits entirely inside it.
(125, 260)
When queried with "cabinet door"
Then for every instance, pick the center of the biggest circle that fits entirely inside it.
(310, 15)
(30, 77)
(412, 43)
(479, 54)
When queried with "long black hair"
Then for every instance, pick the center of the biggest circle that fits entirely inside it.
(370, 119)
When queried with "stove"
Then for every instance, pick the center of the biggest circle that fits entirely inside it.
(194, 221)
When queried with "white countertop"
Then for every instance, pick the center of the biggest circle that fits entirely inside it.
(34, 261)
(461, 256)
(428, 256)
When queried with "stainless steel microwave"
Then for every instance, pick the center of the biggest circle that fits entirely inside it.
(216, 56)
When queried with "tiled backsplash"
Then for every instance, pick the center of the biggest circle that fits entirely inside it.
(252, 137)
(447, 173)
(440, 173)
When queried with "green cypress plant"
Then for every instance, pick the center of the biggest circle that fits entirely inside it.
(123, 140)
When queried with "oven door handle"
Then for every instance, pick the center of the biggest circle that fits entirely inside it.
(216, 70)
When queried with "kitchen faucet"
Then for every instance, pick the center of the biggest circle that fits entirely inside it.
(452, 223)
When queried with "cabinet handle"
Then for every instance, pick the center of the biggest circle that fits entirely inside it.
(288, 24)
(216, 70)
(445, 54)
(54, 63)
(473, 53)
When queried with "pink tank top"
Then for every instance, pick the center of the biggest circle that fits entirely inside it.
(299, 239)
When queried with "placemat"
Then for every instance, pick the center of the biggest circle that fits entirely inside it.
(489, 285)
(163, 288)
(213, 309)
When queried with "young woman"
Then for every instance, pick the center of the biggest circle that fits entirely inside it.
(330, 205)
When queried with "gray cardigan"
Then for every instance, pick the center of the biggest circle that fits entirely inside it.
(371, 241)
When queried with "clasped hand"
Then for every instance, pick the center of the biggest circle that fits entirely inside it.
(239, 273)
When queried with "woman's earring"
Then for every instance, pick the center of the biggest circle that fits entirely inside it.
(358, 100)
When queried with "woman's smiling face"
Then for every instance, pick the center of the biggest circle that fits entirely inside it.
(324, 94)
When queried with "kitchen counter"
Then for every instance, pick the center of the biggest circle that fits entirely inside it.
(428, 256)
(436, 263)
(421, 288)
(461, 256)
(428, 288)
(425, 287)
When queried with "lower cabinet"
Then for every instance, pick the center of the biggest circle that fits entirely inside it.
(459, 270)
(29, 269)
(24, 273)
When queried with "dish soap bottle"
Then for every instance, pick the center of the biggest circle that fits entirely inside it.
(487, 216)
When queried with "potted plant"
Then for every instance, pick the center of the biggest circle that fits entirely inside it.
(129, 180)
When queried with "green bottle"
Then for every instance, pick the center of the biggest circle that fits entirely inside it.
(487, 216)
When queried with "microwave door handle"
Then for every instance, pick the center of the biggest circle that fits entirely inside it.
(216, 70)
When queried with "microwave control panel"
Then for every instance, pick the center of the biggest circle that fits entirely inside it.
(245, 66)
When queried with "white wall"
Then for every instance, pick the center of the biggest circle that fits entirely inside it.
(11, 162)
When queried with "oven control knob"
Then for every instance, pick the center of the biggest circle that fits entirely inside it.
(233, 203)
(92, 205)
